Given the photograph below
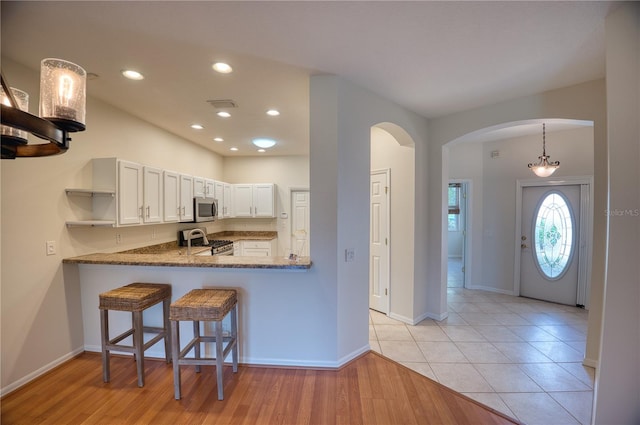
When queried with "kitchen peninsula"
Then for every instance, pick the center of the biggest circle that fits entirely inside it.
(260, 282)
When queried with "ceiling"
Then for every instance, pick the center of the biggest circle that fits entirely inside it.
(434, 58)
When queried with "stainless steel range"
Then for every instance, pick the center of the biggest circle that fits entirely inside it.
(218, 246)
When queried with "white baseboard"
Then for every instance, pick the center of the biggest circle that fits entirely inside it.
(159, 354)
(590, 363)
(37, 373)
(491, 289)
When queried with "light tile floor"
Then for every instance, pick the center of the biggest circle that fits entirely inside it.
(519, 356)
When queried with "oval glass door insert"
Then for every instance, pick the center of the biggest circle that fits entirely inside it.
(553, 235)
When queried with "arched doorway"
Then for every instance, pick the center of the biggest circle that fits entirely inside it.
(392, 219)
(493, 159)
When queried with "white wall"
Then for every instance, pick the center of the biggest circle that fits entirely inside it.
(342, 115)
(387, 153)
(286, 172)
(617, 390)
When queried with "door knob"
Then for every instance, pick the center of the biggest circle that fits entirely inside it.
(524, 245)
(523, 238)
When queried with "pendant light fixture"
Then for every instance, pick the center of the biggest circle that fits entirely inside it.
(544, 168)
(62, 111)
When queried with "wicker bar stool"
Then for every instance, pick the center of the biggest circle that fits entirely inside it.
(207, 305)
(135, 298)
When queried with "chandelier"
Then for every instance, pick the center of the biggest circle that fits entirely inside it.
(544, 168)
(62, 111)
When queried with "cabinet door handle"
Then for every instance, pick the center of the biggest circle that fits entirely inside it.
(148, 211)
(140, 212)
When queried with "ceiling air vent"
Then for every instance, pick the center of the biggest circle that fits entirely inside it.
(222, 103)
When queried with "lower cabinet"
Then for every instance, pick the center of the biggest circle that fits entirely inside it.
(251, 248)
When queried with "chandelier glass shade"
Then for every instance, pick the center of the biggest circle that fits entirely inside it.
(544, 168)
(62, 111)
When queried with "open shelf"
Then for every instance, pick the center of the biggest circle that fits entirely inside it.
(91, 223)
(90, 192)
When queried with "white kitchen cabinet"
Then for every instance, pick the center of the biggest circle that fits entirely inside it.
(251, 248)
(129, 193)
(152, 195)
(186, 197)
(224, 194)
(209, 188)
(228, 204)
(254, 200)
(171, 192)
(198, 187)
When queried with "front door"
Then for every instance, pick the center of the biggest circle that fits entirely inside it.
(550, 242)
(379, 242)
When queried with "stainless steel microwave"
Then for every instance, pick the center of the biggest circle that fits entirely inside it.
(205, 209)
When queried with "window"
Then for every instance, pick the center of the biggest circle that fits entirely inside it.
(454, 207)
(553, 235)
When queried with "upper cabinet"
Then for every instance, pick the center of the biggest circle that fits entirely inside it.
(139, 194)
(171, 192)
(209, 188)
(199, 189)
(254, 200)
(152, 195)
(186, 197)
(223, 192)
(126, 193)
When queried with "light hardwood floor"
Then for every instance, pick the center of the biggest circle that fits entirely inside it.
(369, 390)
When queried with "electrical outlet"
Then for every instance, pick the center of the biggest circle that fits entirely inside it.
(51, 247)
(349, 255)
(118, 238)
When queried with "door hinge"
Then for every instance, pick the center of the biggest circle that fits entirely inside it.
(386, 241)
(386, 190)
(385, 291)
(463, 269)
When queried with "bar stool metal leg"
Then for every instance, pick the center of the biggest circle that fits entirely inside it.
(175, 355)
(104, 337)
(165, 320)
(234, 337)
(219, 357)
(138, 343)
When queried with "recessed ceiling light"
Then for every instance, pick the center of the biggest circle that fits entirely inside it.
(222, 68)
(223, 114)
(233, 149)
(132, 75)
(218, 139)
(261, 150)
(273, 112)
(264, 143)
(197, 126)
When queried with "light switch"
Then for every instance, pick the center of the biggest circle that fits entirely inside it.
(51, 247)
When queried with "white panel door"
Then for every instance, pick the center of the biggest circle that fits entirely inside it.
(300, 222)
(152, 212)
(550, 242)
(379, 243)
